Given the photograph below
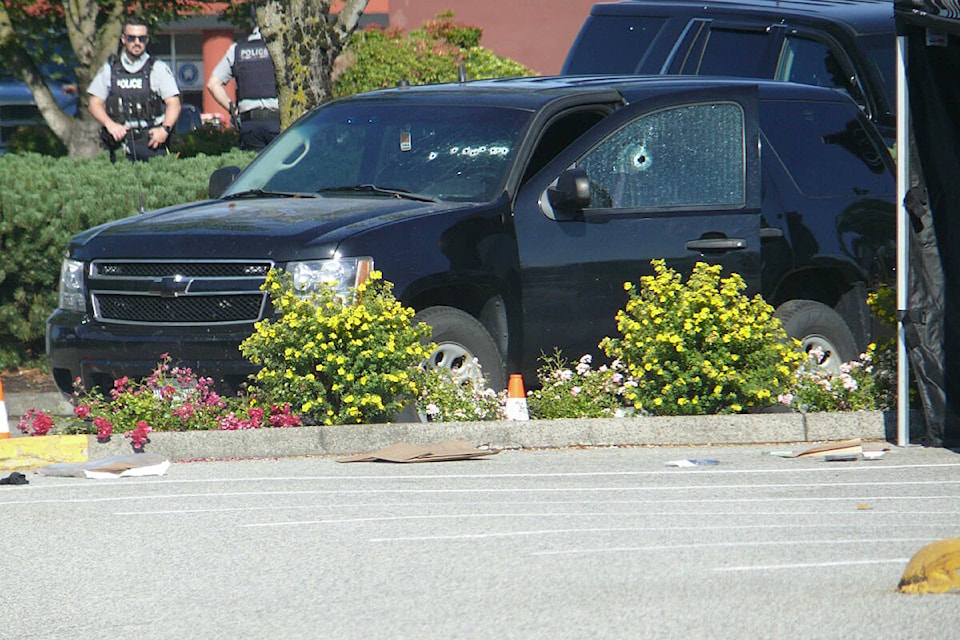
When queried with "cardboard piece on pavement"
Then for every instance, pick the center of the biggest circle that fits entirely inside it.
(844, 450)
(404, 452)
(832, 449)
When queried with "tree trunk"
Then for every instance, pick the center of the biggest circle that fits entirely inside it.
(91, 43)
(304, 40)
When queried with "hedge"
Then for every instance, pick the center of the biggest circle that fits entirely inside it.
(44, 201)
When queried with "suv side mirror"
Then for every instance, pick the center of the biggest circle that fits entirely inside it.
(220, 180)
(572, 193)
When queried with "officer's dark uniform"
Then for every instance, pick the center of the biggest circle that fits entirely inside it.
(132, 101)
(254, 73)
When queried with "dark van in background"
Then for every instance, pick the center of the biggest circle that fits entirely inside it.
(840, 44)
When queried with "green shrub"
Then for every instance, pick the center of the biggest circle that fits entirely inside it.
(382, 59)
(44, 201)
(36, 139)
(578, 391)
(207, 139)
(700, 347)
(857, 387)
(337, 362)
(867, 383)
(444, 398)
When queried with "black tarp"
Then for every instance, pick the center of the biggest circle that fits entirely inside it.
(932, 320)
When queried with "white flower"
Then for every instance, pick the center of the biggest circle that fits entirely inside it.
(849, 383)
(433, 410)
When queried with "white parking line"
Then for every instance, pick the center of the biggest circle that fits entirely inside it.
(670, 529)
(687, 473)
(813, 565)
(465, 516)
(409, 491)
(719, 545)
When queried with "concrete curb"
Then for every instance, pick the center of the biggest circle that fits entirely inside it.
(535, 434)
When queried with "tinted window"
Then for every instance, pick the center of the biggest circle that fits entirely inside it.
(613, 44)
(825, 148)
(690, 156)
(810, 62)
(745, 54)
(883, 57)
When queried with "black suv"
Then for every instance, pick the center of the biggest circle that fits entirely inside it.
(842, 44)
(508, 213)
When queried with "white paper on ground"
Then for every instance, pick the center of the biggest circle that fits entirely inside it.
(152, 470)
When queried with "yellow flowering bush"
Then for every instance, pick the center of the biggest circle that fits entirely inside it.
(700, 347)
(336, 361)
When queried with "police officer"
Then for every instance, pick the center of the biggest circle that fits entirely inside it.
(249, 63)
(135, 97)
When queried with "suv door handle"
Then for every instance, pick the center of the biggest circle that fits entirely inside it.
(716, 244)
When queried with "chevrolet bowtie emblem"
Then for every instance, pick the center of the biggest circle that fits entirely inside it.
(170, 286)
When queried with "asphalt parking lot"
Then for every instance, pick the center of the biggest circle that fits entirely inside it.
(569, 543)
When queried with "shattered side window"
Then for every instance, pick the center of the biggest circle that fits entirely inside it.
(684, 157)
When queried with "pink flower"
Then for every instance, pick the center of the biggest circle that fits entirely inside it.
(39, 422)
(82, 411)
(138, 436)
(184, 411)
(256, 416)
(104, 428)
(282, 416)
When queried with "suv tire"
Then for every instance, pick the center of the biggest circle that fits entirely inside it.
(815, 324)
(460, 338)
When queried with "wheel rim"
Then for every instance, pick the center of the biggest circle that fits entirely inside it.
(831, 360)
(459, 360)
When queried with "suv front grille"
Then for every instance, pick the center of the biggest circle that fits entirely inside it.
(115, 269)
(178, 293)
(183, 310)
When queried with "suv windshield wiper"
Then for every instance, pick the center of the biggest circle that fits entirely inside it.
(372, 188)
(261, 193)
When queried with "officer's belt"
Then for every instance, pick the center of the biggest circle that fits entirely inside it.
(259, 114)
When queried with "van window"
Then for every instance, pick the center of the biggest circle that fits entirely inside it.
(683, 157)
(825, 148)
(613, 44)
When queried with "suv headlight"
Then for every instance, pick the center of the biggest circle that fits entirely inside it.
(340, 273)
(72, 292)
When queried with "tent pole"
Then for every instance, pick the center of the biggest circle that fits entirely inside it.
(903, 243)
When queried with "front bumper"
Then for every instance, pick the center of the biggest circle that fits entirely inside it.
(99, 353)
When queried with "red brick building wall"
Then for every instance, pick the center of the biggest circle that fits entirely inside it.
(536, 33)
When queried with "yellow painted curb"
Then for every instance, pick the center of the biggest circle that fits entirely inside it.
(30, 452)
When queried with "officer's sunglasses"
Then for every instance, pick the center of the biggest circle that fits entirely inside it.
(137, 38)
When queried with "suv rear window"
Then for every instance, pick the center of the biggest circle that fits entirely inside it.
(628, 36)
(842, 160)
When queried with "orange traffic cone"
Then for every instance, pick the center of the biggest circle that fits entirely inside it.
(4, 421)
(516, 408)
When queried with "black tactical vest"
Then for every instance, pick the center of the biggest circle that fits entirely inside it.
(253, 70)
(131, 99)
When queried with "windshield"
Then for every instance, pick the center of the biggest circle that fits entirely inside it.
(453, 153)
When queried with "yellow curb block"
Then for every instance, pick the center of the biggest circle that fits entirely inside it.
(29, 452)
